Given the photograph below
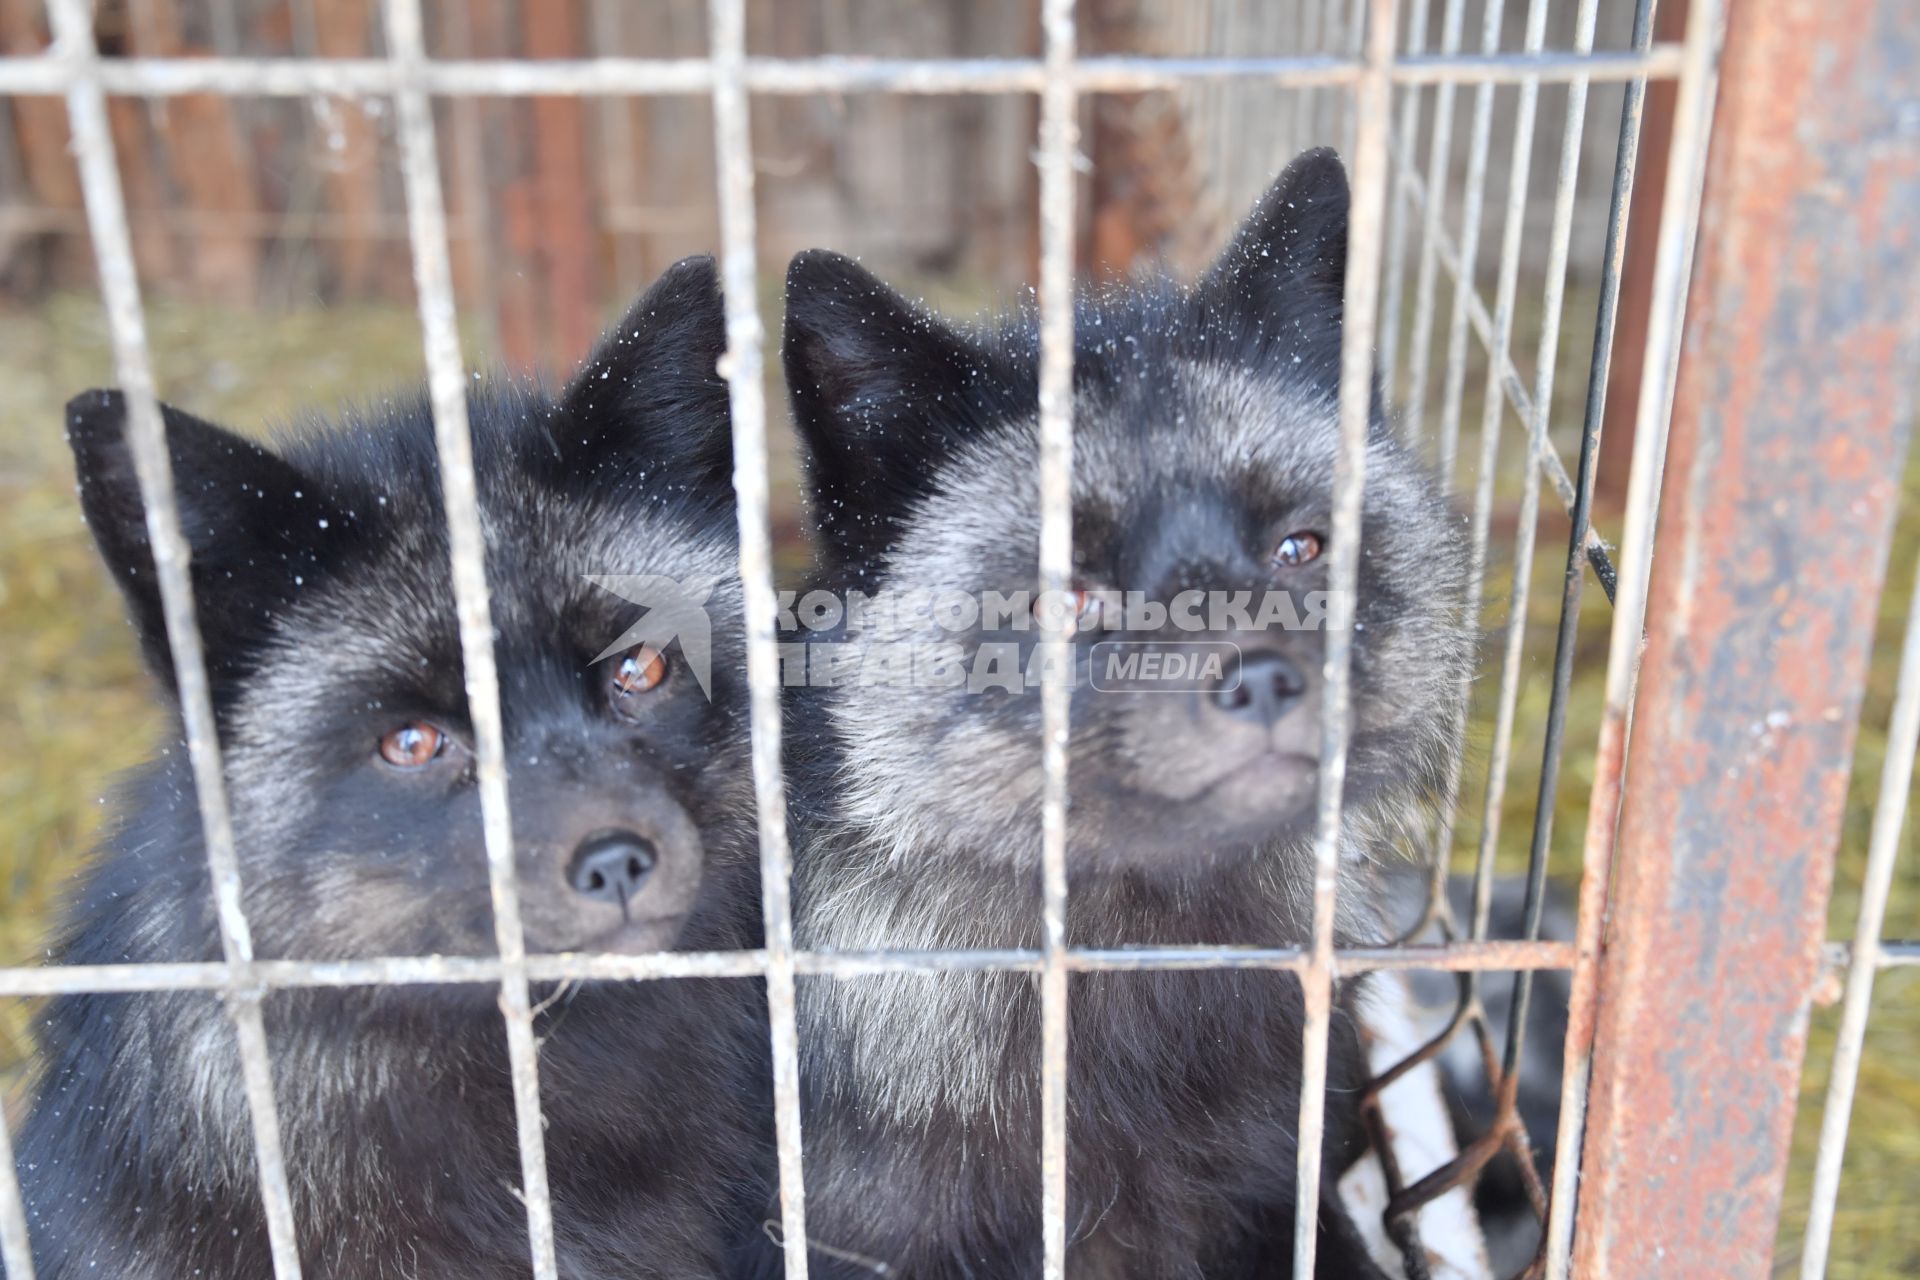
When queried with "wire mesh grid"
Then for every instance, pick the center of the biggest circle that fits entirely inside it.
(1394, 203)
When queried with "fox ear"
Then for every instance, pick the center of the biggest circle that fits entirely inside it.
(880, 389)
(1284, 273)
(254, 524)
(650, 399)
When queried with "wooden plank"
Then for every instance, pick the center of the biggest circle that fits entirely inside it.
(204, 151)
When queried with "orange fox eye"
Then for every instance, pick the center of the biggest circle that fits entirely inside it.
(639, 669)
(1296, 549)
(1079, 609)
(413, 745)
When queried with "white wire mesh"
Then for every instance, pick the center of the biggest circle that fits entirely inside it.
(1368, 70)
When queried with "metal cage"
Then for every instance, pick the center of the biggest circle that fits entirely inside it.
(1739, 423)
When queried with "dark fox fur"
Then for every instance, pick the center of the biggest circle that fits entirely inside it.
(1204, 434)
(321, 575)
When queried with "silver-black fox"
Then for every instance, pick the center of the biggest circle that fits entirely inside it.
(1204, 445)
(322, 581)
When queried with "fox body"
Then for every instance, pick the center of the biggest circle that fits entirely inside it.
(1205, 439)
(322, 583)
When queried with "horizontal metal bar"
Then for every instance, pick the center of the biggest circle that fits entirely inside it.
(1836, 958)
(398, 971)
(1662, 62)
(661, 77)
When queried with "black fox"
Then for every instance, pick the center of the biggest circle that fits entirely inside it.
(1204, 443)
(320, 570)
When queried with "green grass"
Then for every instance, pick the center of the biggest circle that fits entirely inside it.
(77, 709)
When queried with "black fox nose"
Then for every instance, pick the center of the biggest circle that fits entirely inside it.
(1268, 686)
(610, 866)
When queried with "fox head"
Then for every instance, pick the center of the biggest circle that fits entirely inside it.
(320, 569)
(1205, 436)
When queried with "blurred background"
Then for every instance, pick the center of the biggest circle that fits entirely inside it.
(271, 239)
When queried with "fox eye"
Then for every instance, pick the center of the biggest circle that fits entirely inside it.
(639, 670)
(1078, 609)
(413, 745)
(1296, 549)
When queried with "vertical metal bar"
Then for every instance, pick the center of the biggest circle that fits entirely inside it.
(1373, 117)
(1493, 413)
(1552, 305)
(1354, 23)
(1789, 422)
(1059, 145)
(453, 440)
(1473, 201)
(1307, 122)
(1398, 202)
(1680, 212)
(1592, 900)
(16, 1250)
(1332, 103)
(1439, 158)
(153, 465)
(742, 367)
(1883, 846)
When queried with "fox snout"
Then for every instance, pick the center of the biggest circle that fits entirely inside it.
(612, 866)
(608, 873)
(1263, 686)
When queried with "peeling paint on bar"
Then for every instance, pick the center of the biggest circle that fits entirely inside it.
(1679, 214)
(1789, 422)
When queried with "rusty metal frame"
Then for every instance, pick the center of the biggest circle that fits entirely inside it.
(1791, 413)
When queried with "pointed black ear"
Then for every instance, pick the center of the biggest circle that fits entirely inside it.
(881, 390)
(254, 525)
(650, 399)
(1284, 273)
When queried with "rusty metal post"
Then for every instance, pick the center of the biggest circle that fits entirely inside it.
(1789, 424)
